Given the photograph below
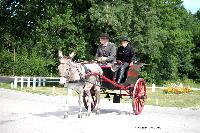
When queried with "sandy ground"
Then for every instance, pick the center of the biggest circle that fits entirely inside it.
(22, 112)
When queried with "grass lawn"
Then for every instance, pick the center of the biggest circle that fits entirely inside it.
(158, 98)
(191, 99)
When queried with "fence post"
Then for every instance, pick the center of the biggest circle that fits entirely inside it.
(15, 82)
(28, 82)
(53, 90)
(44, 82)
(153, 87)
(11, 85)
(39, 81)
(34, 82)
(22, 82)
(156, 101)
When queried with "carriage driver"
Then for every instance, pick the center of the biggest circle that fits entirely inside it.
(106, 51)
(125, 56)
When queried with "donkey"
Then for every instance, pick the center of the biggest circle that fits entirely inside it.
(73, 76)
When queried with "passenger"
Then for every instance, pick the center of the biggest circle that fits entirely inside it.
(106, 52)
(125, 56)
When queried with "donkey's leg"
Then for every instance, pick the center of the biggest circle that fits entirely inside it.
(89, 104)
(98, 99)
(66, 106)
(88, 86)
(89, 97)
(80, 101)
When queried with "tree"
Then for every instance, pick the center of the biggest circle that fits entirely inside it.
(145, 36)
(195, 74)
(177, 37)
(165, 35)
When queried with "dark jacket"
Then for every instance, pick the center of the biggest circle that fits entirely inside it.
(108, 51)
(126, 54)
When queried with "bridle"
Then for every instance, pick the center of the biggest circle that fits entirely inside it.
(69, 70)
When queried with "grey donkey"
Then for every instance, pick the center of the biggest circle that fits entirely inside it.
(73, 76)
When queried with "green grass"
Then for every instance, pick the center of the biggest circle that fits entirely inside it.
(5, 85)
(191, 99)
(187, 100)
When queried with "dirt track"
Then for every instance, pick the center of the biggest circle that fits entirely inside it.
(31, 113)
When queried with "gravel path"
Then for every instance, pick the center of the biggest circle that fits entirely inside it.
(22, 112)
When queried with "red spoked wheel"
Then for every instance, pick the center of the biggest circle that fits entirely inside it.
(139, 96)
(94, 99)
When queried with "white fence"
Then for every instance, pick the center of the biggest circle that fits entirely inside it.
(153, 87)
(30, 81)
(41, 81)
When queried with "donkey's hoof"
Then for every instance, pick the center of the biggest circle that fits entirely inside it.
(88, 114)
(98, 112)
(65, 116)
(79, 116)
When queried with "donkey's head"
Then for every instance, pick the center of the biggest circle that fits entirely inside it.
(66, 68)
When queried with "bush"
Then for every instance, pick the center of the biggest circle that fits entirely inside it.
(6, 63)
(32, 65)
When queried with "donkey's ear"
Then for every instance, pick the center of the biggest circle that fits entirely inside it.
(60, 54)
(72, 55)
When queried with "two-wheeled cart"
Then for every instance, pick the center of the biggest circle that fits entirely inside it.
(131, 86)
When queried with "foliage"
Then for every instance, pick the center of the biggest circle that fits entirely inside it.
(164, 34)
(33, 65)
(7, 62)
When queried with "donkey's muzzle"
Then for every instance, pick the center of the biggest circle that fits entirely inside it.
(62, 81)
